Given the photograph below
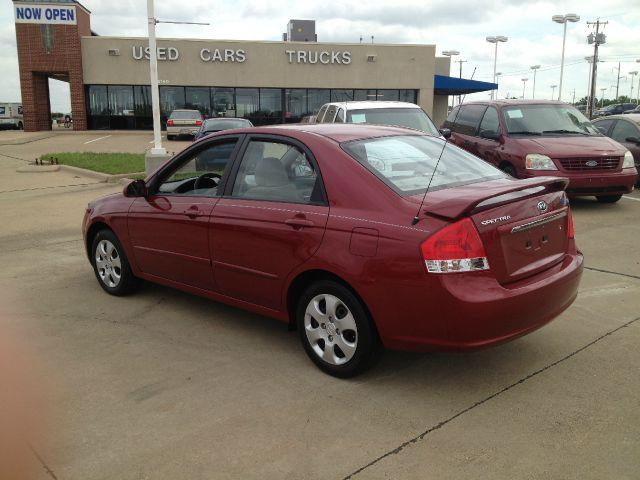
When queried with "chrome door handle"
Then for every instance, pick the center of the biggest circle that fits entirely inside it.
(192, 212)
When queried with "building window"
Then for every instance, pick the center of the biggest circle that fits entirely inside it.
(142, 107)
(407, 96)
(171, 98)
(341, 95)
(98, 102)
(121, 100)
(295, 104)
(361, 95)
(247, 101)
(270, 106)
(316, 98)
(387, 95)
(222, 102)
(198, 98)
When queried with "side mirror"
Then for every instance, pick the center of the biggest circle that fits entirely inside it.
(635, 140)
(137, 188)
(445, 132)
(490, 135)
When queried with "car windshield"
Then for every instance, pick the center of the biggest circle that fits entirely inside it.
(217, 125)
(408, 163)
(185, 115)
(403, 117)
(547, 120)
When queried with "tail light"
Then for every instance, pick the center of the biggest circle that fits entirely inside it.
(570, 231)
(198, 123)
(169, 123)
(455, 248)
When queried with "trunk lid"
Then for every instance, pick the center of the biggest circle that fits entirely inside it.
(523, 224)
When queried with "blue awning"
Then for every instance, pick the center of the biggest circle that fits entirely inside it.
(444, 85)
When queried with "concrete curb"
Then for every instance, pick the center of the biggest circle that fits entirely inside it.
(103, 177)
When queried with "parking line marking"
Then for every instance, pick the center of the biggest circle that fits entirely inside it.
(631, 198)
(96, 139)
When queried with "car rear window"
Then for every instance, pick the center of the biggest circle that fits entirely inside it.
(407, 164)
(185, 115)
(217, 125)
(403, 117)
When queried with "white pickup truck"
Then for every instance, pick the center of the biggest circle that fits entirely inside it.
(11, 115)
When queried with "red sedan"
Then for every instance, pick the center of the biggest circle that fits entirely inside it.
(328, 228)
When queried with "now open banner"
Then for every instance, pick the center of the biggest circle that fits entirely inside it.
(58, 14)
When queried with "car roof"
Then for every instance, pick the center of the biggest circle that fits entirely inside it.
(632, 117)
(218, 119)
(338, 132)
(372, 104)
(515, 102)
(185, 110)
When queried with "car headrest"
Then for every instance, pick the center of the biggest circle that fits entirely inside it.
(271, 173)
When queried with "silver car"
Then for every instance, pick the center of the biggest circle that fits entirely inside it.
(183, 122)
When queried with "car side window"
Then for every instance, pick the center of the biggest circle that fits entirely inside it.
(330, 114)
(199, 173)
(320, 115)
(623, 130)
(490, 123)
(469, 119)
(339, 116)
(604, 125)
(278, 172)
(451, 118)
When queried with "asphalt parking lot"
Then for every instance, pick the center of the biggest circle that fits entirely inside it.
(166, 385)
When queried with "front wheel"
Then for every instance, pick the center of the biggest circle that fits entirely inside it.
(608, 198)
(509, 170)
(111, 266)
(336, 331)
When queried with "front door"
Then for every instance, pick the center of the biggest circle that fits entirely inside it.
(271, 220)
(628, 134)
(169, 230)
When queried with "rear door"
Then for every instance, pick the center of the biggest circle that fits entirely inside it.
(271, 219)
(623, 131)
(466, 127)
(487, 141)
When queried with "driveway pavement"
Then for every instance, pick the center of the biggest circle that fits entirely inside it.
(163, 385)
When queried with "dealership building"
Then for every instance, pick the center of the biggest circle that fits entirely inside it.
(265, 81)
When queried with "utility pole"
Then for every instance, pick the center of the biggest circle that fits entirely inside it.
(597, 39)
(460, 62)
(618, 83)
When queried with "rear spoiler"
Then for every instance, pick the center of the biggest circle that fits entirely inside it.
(481, 196)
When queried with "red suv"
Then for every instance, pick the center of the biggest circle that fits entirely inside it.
(540, 138)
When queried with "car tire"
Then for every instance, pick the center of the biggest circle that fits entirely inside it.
(111, 266)
(323, 310)
(509, 170)
(171, 137)
(608, 198)
(20, 126)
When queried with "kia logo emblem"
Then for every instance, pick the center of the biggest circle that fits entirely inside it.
(542, 206)
(591, 163)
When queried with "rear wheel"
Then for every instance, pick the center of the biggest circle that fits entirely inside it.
(608, 198)
(111, 266)
(336, 331)
(171, 137)
(20, 126)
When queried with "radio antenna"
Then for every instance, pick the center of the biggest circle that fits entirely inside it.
(416, 219)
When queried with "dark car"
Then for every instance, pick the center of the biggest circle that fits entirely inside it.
(213, 125)
(624, 130)
(635, 110)
(536, 138)
(324, 228)
(614, 109)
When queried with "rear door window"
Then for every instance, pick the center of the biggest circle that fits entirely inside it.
(469, 118)
(490, 122)
(339, 116)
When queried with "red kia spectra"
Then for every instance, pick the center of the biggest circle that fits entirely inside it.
(328, 228)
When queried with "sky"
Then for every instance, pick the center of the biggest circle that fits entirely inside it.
(534, 39)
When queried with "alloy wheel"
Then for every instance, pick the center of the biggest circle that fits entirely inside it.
(108, 263)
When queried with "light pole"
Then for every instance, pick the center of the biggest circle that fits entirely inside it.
(495, 39)
(602, 97)
(153, 73)
(564, 19)
(452, 53)
(524, 85)
(638, 90)
(553, 89)
(633, 75)
(497, 78)
(535, 70)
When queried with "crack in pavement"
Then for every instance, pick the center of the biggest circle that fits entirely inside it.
(421, 436)
(601, 270)
(43, 463)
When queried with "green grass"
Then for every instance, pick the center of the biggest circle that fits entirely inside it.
(112, 163)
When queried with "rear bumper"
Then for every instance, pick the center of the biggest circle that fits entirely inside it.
(596, 182)
(479, 312)
(182, 130)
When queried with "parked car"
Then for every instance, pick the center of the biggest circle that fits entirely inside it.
(614, 109)
(11, 116)
(635, 110)
(624, 130)
(213, 125)
(537, 138)
(183, 122)
(401, 114)
(485, 259)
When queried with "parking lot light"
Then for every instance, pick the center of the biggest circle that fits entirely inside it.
(534, 68)
(451, 53)
(553, 89)
(495, 39)
(564, 19)
(524, 85)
